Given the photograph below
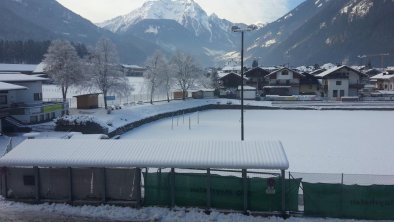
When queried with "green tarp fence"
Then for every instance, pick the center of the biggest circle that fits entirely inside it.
(374, 202)
(226, 192)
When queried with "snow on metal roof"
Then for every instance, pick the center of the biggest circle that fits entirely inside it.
(89, 136)
(17, 77)
(7, 86)
(152, 153)
(17, 67)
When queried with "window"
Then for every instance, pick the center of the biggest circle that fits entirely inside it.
(29, 180)
(3, 99)
(335, 93)
(338, 83)
(37, 96)
(285, 72)
(342, 93)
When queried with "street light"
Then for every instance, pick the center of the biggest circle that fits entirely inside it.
(242, 31)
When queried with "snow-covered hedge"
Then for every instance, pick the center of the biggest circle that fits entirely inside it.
(82, 123)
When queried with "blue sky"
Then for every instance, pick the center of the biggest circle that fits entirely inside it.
(246, 11)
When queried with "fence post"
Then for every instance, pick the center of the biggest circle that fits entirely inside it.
(4, 183)
(70, 185)
(208, 189)
(37, 182)
(245, 188)
(137, 175)
(172, 183)
(283, 193)
(104, 181)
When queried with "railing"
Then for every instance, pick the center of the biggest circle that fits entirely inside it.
(25, 109)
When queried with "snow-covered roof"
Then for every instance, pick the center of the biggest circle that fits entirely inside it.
(329, 71)
(277, 87)
(148, 153)
(231, 68)
(249, 88)
(223, 74)
(132, 66)
(7, 86)
(17, 77)
(89, 136)
(334, 69)
(384, 75)
(17, 67)
(283, 68)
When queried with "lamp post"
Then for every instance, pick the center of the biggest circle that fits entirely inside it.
(242, 31)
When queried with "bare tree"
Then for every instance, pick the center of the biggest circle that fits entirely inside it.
(105, 71)
(167, 78)
(186, 71)
(63, 65)
(157, 68)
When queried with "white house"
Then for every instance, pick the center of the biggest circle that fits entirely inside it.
(21, 98)
(384, 81)
(283, 82)
(341, 81)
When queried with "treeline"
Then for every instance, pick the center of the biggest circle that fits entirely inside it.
(29, 51)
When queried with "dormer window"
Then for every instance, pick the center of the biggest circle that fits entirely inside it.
(338, 83)
(285, 72)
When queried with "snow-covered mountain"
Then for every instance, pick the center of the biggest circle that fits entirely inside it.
(211, 35)
(48, 20)
(320, 31)
(186, 12)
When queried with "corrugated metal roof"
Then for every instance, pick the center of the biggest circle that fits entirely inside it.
(8, 86)
(17, 77)
(152, 153)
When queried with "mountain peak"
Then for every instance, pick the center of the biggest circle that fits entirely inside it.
(186, 12)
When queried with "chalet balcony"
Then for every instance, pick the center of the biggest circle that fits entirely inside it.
(18, 109)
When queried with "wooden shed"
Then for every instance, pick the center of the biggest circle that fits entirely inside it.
(87, 101)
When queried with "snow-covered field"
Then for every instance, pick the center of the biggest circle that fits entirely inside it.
(352, 142)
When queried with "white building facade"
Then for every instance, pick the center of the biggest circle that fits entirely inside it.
(25, 103)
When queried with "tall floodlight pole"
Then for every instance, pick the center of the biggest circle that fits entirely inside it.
(242, 31)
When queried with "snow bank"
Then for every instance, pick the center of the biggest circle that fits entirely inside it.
(143, 214)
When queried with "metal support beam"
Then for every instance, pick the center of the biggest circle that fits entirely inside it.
(37, 182)
(138, 190)
(172, 187)
(208, 189)
(104, 182)
(283, 193)
(245, 189)
(70, 185)
(4, 181)
(242, 88)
